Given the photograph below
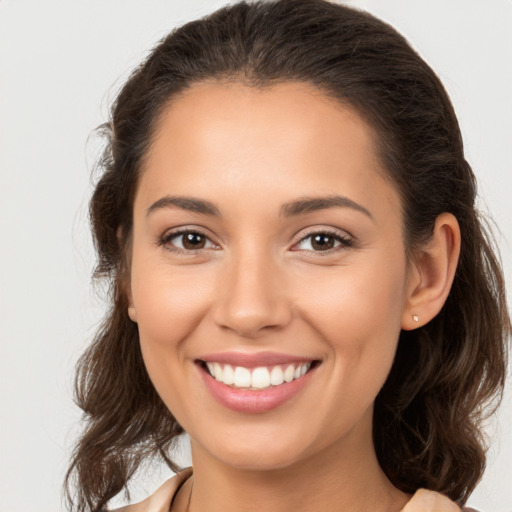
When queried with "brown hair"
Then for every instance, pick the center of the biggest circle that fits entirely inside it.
(446, 375)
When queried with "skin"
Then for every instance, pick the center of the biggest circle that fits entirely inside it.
(258, 284)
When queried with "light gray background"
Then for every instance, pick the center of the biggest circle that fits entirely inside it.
(60, 64)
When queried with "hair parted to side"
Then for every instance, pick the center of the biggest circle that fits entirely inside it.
(447, 375)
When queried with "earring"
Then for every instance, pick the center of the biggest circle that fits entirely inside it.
(416, 318)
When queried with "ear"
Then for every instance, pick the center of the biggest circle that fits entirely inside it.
(431, 273)
(125, 278)
(132, 313)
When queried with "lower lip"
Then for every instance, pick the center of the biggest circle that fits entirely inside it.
(255, 401)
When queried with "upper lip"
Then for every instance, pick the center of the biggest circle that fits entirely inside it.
(253, 360)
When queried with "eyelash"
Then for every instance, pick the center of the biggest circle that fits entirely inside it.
(344, 242)
(165, 241)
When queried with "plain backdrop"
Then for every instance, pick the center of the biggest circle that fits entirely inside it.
(61, 63)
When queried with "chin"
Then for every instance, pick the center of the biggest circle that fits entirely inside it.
(261, 460)
(252, 452)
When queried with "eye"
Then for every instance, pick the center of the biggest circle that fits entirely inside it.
(186, 240)
(323, 241)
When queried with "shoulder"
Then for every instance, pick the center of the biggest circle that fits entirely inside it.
(431, 501)
(161, 499)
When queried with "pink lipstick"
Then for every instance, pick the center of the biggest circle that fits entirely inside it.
(255, 383)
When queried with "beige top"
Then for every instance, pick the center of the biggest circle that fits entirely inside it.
(161, 499)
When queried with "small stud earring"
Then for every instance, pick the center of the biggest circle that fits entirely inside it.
(416, 318)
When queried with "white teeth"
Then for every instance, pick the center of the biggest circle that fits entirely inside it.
(289, 373)
(258, 378)
(276, 376)
(217, 371)
(242, 377)
(229, 375)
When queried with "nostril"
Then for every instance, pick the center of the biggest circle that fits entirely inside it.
(249, 303)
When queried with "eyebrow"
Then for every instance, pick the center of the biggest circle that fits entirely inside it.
(190, 204)
(291, 209)
(312, 204)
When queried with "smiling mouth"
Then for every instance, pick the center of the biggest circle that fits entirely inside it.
(258, 378)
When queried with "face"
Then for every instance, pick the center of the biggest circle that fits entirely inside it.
(268, 272)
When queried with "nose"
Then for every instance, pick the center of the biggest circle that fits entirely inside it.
(252, 298)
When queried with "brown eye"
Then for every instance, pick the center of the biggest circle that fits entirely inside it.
(193, 241)
(186, 241)
(322, 242)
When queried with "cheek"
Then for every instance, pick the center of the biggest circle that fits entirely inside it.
(168, 303)
(357, 313)
(360, 298)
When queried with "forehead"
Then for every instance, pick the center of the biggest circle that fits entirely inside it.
(288, 137)
(292, 114)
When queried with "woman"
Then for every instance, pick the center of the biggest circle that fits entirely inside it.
(299, 277)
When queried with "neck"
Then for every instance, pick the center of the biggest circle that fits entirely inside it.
(339, 479)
